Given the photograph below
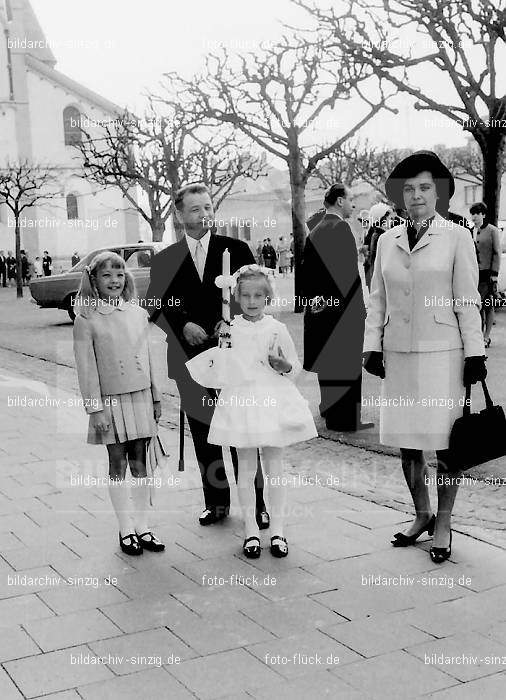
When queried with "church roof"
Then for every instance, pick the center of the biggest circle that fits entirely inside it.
(72, 86)
(34, 34)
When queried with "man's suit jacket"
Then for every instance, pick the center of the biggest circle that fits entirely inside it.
(333, 338)
(410, 306)
(181, 296)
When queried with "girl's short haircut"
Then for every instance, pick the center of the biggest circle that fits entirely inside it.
(255, 275)
(87, 298)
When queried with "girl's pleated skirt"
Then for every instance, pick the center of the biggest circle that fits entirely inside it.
(130, 416)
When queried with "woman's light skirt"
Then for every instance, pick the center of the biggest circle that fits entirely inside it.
(422, 396)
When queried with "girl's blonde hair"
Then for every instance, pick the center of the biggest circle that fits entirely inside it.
(87, 298)
(255, 274)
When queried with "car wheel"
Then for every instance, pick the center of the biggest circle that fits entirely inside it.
(70, 307)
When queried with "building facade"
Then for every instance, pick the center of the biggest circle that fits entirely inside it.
(41, 112)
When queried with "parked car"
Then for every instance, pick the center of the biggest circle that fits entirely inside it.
(59, 291)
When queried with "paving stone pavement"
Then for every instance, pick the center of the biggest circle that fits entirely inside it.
(344, 615)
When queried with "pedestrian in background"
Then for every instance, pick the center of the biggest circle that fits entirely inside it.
(75, 259)
(379, 221)
(37, 266)
(283, 253)
(3, 269)
(269, 256)
(11, 268)
(47, 264)
(116, 378)
(25, 267)
(488, 245)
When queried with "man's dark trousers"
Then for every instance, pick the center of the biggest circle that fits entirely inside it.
(198, 403)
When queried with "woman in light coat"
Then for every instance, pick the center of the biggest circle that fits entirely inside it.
(423, 336)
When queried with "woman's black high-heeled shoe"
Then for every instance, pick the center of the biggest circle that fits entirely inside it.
(402, 540)
(441, 554)
(279, 550)
(250, 550)
(133, 547)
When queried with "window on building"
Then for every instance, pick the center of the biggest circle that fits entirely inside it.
(72, 125)
(472, 194)
(72, 208)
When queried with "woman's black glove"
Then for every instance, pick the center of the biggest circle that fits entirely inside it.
(373, 363)
(474, 369)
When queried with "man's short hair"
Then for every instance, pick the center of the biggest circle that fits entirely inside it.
(479, 208)
(331, 195)
(189, 189)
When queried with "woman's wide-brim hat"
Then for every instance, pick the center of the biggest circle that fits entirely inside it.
(411, 166)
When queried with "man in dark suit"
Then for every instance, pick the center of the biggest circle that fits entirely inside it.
(335, 313)
(182, 285)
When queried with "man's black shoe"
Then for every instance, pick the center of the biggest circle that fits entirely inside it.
(209, 517)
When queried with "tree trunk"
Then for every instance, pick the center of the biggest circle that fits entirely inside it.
(492, 149)
(157, 230)
(19, 277)
(178, 226)
(297, 186)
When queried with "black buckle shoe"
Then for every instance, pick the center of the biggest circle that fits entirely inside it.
(212, 515)
(263, 520)
(153, 544)
(440, 554)
(133, 547)
(402, 540)
(279, 550)
(251, 551)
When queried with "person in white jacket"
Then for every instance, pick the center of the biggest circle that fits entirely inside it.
(423, 336)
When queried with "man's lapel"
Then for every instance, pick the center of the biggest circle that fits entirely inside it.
(185, 263)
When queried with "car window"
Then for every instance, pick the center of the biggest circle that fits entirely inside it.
(89, 257)
(138, 258)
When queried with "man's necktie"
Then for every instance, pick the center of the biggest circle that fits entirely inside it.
(200, 259)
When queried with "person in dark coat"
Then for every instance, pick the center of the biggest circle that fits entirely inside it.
(25, 267)
(183, 300)
(3, 269)
(335, 313)
(315, 218)
(269, 256)
(47, 264)
(75, 259)
(11, 267)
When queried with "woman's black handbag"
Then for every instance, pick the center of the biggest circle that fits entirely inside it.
(477, 437)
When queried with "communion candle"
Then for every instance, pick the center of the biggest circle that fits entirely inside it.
(225, 295)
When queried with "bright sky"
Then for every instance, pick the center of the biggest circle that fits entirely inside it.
(120, 47)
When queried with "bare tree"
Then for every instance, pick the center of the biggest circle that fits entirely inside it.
(24, 184)
(338, 166)
(131, 154)
(365, 32)
(159, 153)
(272, 96)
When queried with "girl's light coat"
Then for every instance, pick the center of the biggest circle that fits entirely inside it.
(113, 353)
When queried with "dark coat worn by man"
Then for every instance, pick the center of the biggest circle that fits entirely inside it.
(334, 328)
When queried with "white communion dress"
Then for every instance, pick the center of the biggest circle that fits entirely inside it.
(258, 406)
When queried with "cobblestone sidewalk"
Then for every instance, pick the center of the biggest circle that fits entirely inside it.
(345, 615)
